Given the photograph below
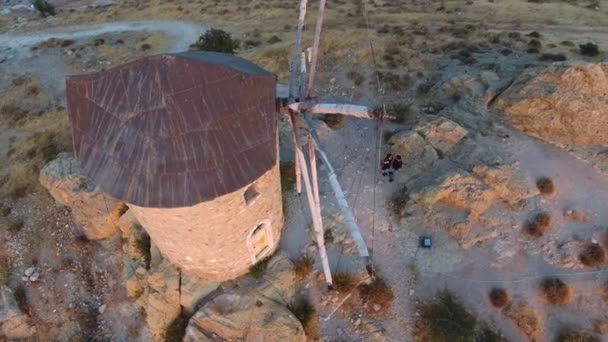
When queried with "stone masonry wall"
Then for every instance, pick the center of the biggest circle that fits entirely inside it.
(210, 239)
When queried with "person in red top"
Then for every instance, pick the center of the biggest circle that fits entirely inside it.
(396, 166)
(386, 163)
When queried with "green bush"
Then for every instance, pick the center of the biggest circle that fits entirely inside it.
(445, 319)
(303, 266)
(303, 310)
(258, 270)
(43, 7)
(218, 41)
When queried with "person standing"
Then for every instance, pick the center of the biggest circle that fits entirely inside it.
(386, 164)
(397, 164)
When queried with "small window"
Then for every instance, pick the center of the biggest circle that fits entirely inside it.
(251, 195)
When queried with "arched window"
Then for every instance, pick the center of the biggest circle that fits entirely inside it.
(260, 241)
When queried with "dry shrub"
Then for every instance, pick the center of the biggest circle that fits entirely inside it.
(397, 203)
(577, 336)
(539, 225)
(545, 186)
(305, 312)
(303, 266)
(343, 281)
(334, 121)
(444, 319)
(593, 255)
(526, 319)
(499, 298)
(377, 292)
(555, 291)
(257, 271)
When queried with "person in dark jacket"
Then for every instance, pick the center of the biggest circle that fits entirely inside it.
(386, 164)
(396, 166)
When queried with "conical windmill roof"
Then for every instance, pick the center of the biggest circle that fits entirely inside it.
(174, 130)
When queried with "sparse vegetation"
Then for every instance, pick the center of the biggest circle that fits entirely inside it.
(545, 186)
(274, 39)
(257, 271)
(499, 298)
(303, 310)
(535, 44)
(43, 7)
(593, 255)
(555, 291)
(552, 57)
(567, 43)
(21, 299)
(397, 203)
(377, 292)
(356, 77)
(176, 330)
(288, 181)
(577, 336)
(218, 41)
(303, 266)
(334, 121)
(343, 281)
(525, 318)
(444, 319)
(142, 246)
(589, 49)
(539, 225)
(403, 112)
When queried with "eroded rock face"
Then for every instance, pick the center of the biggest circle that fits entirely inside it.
(92, 209)
(244, 317)
(13, 323)
(426, 144)
(561, 104)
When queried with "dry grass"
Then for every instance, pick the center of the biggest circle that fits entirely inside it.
(545, 186)
(305, 312)
(499, 298)
(539, 225)
(556, 292)
(303, 266)
(377, 292)
(444, 319)
(343, 281)
(526, 318)
(593, 255)
(334, 121)
(577, 336)
(22, 100)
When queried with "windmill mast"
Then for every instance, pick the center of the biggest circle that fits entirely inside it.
(306, 105)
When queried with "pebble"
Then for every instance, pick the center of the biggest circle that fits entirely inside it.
(412, 292)
(358, 322)
(340, 331)
(377, 307)
(28, 272)
(102, 309)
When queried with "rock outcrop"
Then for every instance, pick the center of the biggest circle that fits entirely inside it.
(426, 144)
(244, 317)
(564, 105)
(92, 209)
(13, 323)
(254, 314)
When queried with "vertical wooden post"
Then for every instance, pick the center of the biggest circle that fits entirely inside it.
(296, 146)
(315, 48)
(316, 217)
(313, 171)
(296, 50)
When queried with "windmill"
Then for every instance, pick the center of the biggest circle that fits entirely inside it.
(302, 103)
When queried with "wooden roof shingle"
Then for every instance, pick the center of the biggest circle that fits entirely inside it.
(174, 130)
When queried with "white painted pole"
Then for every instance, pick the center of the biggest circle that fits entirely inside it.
(313, 172)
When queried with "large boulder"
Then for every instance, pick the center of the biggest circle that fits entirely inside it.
(564, 105)
(509, 183)
(92, 209)
(161, 299)
(412, 146)
(14, 324)
(244, 317)
(193, 289)
(280, 282)
(442, 134)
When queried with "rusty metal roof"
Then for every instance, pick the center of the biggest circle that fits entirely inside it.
(174, 130)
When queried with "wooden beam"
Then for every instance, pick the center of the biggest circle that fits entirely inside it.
(296, 146)
(296, 50)
(313, 171)
(315, 49)
(316, 218)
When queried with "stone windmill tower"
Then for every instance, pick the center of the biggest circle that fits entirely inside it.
(189, 141)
